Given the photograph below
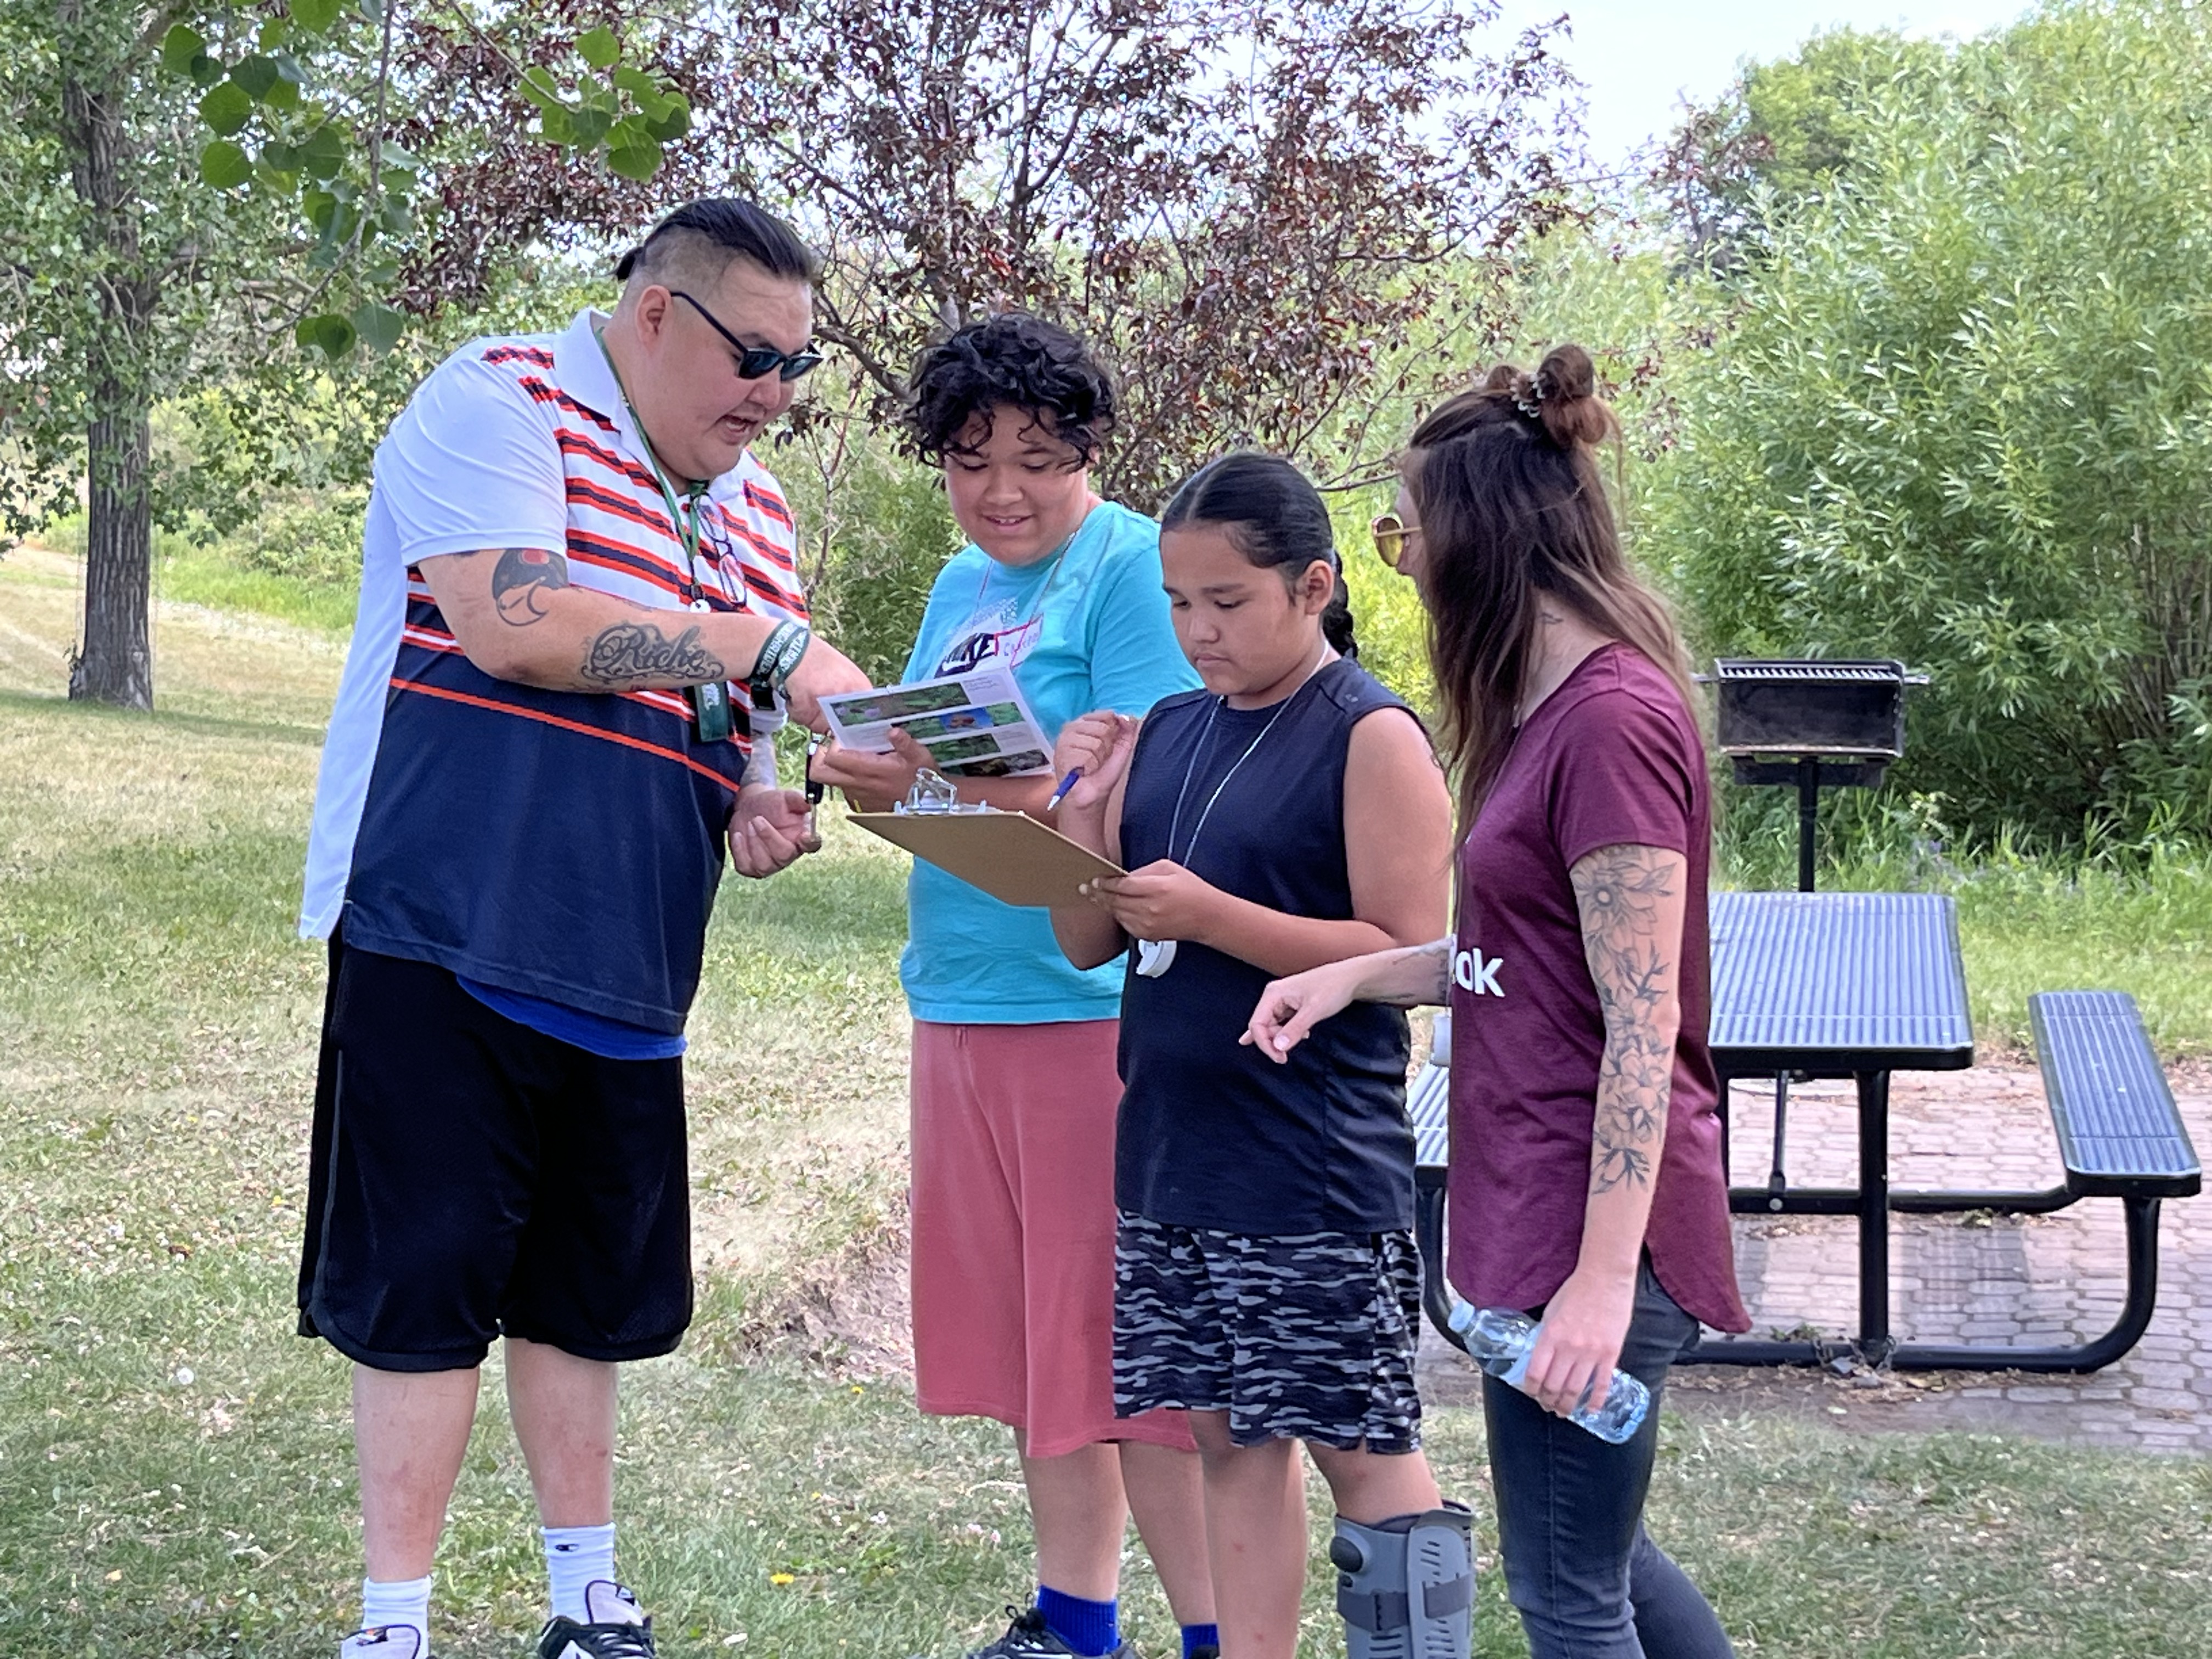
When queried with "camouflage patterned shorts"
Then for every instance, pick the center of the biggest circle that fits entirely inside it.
(1308, 1336)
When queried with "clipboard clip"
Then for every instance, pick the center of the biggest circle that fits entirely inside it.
(934, 793)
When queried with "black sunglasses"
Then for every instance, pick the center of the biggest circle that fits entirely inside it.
(753, 361)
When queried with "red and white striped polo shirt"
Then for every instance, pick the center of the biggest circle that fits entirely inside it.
(524, 441)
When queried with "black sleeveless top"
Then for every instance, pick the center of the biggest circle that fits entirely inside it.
(1212, 1133)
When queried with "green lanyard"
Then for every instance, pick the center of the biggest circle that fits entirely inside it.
(711, 717)
(687, 528)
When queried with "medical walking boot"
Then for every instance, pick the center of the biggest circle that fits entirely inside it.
(1405, 1587)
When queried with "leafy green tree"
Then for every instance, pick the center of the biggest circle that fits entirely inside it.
(1251, 212)
(217, 192)
(1788, 130)
(1246, 210)
(1963, 415)
(109, 256)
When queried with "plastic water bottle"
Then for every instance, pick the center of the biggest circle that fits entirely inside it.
(1501, 1342)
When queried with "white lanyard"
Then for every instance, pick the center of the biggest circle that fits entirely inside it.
(1155, 955)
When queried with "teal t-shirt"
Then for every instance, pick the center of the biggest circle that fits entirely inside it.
(1087, 629)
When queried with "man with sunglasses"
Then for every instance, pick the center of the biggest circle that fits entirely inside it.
(581, 624)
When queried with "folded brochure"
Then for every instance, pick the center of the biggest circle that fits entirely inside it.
(975, 726)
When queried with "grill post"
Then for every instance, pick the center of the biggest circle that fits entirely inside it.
(1808, 817)
(1874, 1341)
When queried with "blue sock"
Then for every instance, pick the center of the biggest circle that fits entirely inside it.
(1089, 1627)
(1195, 1637)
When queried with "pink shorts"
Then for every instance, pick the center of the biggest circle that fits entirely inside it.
(1013, 1232)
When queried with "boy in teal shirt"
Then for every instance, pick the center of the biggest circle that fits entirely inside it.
(1014, 1081)
(1089, 622)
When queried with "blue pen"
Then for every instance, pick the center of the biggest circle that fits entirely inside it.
(1066, 784)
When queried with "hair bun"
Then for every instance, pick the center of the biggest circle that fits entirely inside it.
(1563, 391)
(1565, 374)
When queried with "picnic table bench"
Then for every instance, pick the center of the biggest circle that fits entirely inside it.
(1857, 986)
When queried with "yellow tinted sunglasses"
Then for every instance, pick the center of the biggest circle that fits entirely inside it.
(1390, 538)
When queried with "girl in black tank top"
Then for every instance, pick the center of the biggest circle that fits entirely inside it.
(1290, 814)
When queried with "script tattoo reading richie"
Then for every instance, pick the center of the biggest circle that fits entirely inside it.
(1620, 890)
(521, 580)
(630, 654)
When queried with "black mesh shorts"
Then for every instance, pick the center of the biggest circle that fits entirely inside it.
(473, 1178)
(1309, 1336)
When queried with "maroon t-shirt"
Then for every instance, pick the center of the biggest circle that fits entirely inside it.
(1611, 758)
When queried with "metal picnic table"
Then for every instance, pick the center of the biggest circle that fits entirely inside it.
(1836, 985)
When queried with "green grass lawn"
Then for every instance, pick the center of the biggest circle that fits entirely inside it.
(175, 1469)
(192, 576)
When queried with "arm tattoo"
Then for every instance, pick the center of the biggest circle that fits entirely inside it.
(1433, 958)
(629, 654)
(1619, 891)
(761, 769)
(521, 580)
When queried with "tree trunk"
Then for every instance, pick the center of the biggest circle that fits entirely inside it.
(117, 664)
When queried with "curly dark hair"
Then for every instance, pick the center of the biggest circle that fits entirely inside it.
(1013, 360)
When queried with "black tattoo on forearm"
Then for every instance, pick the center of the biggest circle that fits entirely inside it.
(1620, 891)
(522, 579)
(761, 769)
(1434, 992)
(631, 654)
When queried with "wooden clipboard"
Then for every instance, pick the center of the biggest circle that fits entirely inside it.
(1010, 856)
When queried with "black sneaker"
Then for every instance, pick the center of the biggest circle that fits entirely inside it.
(383, 1642)
(1029, 1637)
(617, 1629)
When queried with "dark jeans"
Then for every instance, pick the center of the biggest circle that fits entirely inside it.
(1587, 1580)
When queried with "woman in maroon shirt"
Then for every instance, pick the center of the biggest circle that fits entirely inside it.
(1586, 1172)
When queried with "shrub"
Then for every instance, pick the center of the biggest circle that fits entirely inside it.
(313, 539)
(1964, 418)
(890, 533)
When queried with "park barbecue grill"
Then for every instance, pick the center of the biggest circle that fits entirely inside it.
(1811, 723)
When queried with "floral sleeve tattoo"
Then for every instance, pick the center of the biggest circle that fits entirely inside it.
(1623, 894)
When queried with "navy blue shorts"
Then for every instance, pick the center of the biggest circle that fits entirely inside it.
(473, 1179)
(1308, 1336)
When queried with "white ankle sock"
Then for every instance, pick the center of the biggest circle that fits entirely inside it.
(575, 1557)
(400, 1602)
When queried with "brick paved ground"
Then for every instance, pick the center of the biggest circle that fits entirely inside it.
(2044, 1279)
(2038, 1279)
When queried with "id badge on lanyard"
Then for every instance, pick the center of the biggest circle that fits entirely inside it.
(711, 719)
